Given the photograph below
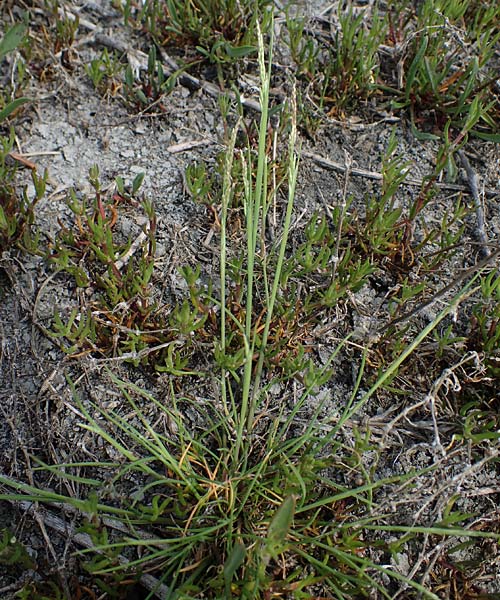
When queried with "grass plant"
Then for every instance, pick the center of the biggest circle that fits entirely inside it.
(258, 496)
(238, 508)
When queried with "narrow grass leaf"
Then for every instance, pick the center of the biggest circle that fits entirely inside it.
(11, 107)
(280, 526)
(12, 39)
(233, 562)
(416, 63)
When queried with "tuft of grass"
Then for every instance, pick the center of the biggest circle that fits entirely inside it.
(259, 501)
(208, 520)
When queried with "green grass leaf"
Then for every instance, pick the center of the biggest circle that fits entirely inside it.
(489, 137)
(280, 526)
(12, 39)
(233, 562)
(11, 107)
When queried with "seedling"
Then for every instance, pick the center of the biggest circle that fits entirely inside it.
(16, 208)
(484, 333)
(13, 554)
(150, 86)
(14, 37)
(105, 72)
(66, 27)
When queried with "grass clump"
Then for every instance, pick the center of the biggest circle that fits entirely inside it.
(257, 501)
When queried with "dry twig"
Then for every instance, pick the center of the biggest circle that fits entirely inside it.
(342, 168)
(170, 67)
(472, 180)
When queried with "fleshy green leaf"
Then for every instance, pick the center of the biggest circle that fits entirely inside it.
(239, 51)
